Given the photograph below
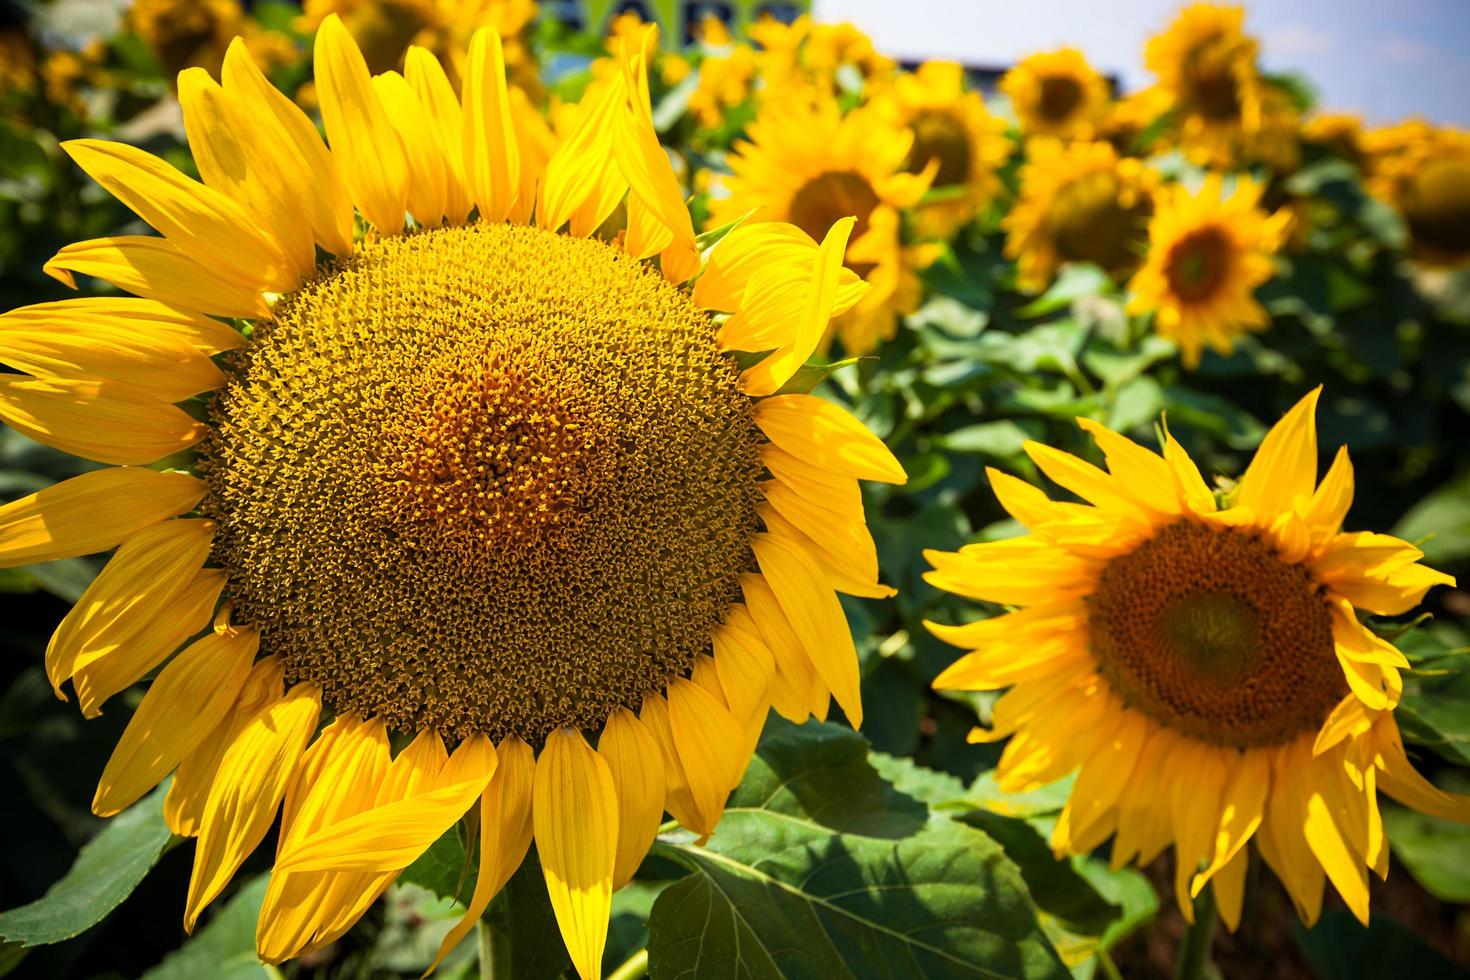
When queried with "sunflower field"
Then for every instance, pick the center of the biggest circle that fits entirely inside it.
(603, 490)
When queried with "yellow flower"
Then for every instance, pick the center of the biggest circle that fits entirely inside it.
(477, 482)
(17, 62)
(725, 82)
(1207, 253)
(1056, 94)
(1202, 667)
(806, 59)
(1228, 115)
(194, 33)
(955, 133)
(1424, 172)
(807, 163)
(1079, 202)
(1340, 132)
(384, 30)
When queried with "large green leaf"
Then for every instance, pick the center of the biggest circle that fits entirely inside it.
(1440, 523)
(106, 871)
(1436, 852)
(225, 948)
(820, 869)
(1338, 948)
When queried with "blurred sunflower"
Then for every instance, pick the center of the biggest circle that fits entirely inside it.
(1424, 172)
(477, 484)
(1201, 664)
(1207, 253)
(1056, 94)
(1079, 202)
(727, 73)
(1227, 113)
(1341, 133)
(195, 33)
(955, 133)
(807, 57)
(807, 163)
(384, 30)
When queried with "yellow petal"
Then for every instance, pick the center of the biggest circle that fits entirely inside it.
(364, 143)
(127, 314)
(445, 123)
(831, 490)
(288, 142)
(492, 161)
(1332, 498)
(1191, 487)
(187, 700)
(231, 159)
(632, 756)
(247, 789)
(99, 675)
(827, 436)
(163, 366)
(678, 794)
(844, 571)
(391, 836)
(833, 531)
(1146, 476)
(201, 221)
(583, 169)
(183, 807)
(135, 587)
(505, 835)
(1398, 778)
(709, 742)
(815, 616)
(1229, 886)
(96, 419)
(535, 143)
(791, 660)
(340, 775)
(742, 254)
(1243, 809)
(427, 168)
(1283, 474)
(91, 513)
(1094, 485)
(745, 666)
(576, 819)
(1344, 868)
(654, 189)
(815, 313)
(159, 270)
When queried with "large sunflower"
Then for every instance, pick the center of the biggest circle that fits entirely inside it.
(475, 484)
(1424, 172)
(1079, 202)
(953, 129)
(807, 163)
(1056, 94)
(1226, 113)
(1200, 663)
(1207, 253)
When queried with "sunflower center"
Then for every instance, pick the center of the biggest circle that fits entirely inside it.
(828, 198)
(1210, 633)
(940, 136)
(1212, 87)
(1198, 263)
(1089, 223)
(484, 479)
(1437, 207)
(1060, 96)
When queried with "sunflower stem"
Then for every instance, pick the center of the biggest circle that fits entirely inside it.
(1194, 951)
(494, 951)
(633, 967)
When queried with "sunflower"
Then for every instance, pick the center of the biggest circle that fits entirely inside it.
(806, 58)
(1200, 663)
(194, 33)
(1227, 113)
(953, 129)
(807, 163)
(1424, 172)
(1056, 94)
(1207, 253)
(384, 30)
(475, 486)
(1079, 202)
(1339, 132)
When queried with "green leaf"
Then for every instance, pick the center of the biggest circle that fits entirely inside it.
(1436, 852)
(1076, 280)
(1338, 948)
(1440, 523)
(444, 868)
(1055, 885)
(820, 869)
(999, 440)
(808, 376)
(225, 948)
(106, 871)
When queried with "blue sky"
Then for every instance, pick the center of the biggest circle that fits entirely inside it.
(1386, 60)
